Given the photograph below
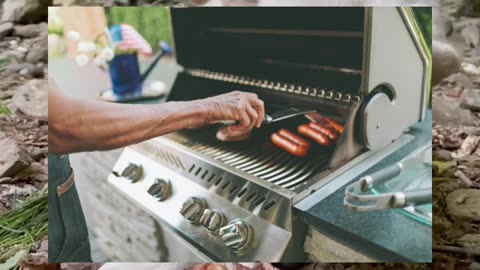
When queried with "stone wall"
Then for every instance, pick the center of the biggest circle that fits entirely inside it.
(321, 248)
(119, 230)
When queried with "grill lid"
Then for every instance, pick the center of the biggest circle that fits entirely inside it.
(321, 47)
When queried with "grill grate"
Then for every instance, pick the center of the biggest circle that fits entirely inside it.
(262, 160)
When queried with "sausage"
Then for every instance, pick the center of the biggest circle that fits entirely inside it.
(311, 133)
(294, 138)
(289, 146)
(330, 132)
(335, 125)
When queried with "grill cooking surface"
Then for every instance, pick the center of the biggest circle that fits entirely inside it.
(257, 156)
(265, 161)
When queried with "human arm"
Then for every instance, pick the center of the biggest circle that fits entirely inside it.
(86, 125)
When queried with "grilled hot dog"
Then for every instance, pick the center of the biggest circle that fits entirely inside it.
(335, 125)
(311, 133)
(294, 138)
(330, 132)
(289, 146)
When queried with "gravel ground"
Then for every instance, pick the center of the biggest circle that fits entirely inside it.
(23, 114)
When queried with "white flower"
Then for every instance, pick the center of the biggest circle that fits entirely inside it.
(81, 59)
(107, 54)
(73, 35)
(100, 62)
(159, 86)
(86, 47)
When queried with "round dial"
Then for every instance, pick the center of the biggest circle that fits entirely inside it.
(132, 172)
(237, 235)
(212, 220)
(161, 189)
(192, 209)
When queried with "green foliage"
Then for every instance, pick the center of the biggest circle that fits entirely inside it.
(4, 109)
(4, 62)
(151, 22)
(22, 226)
(424, 19)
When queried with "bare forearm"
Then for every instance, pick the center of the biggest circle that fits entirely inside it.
(88, 126)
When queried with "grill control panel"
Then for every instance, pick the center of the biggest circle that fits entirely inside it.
(211, 222)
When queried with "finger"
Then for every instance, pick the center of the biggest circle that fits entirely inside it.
(227, 134)
(243, 119)
(252, 113)
(260, 108)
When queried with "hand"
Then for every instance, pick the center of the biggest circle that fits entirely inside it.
(246, 108)
(226, 134)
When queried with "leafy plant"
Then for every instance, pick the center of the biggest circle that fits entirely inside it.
(23, 226)
(151, 22)
(55, 30)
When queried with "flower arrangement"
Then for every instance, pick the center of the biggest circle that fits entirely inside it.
(95, 51)
(122, 39)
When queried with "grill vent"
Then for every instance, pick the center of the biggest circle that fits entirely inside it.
(211, 178)
(251, 196)
(269, 205)
(242, 193)
(198, 171)
(234, 188)
(259, 201)
(226, 185)
(168, 157)
(218, 181)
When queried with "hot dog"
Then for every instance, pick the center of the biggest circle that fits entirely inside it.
(311, 133)
(294, 138)
(289, 146)
(330, 132)
(335, 125)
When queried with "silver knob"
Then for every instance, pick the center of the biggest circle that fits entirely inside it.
(192, 209)
(212, 220)
(237, 235)
(132, 172)
(160, 189)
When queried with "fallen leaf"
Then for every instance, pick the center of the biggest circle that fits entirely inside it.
(468, 146)
(13, 261)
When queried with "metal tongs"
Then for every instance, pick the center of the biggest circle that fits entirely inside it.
(277, 116)
(358, 196)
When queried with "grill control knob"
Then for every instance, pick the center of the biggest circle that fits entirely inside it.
(192, 209)
(212, 220)
(160, 189)
(132, 172)
(237, 235)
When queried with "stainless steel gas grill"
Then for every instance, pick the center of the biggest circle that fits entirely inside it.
(366, 68)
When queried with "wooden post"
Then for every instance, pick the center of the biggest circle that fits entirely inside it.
(88, 21)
